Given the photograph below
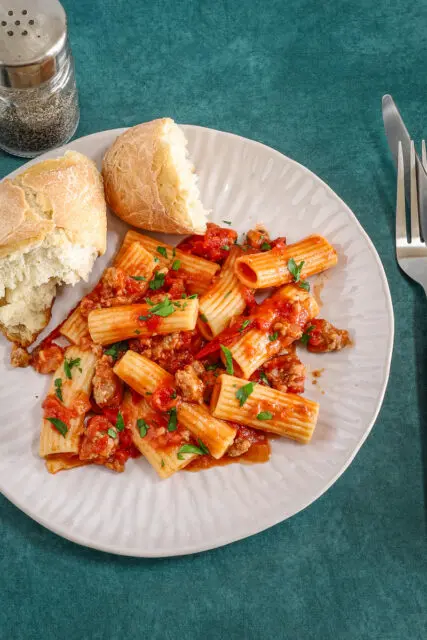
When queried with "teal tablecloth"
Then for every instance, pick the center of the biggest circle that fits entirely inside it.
(305, 77)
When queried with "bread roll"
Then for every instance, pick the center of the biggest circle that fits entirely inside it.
(150, 182)
(52, 228)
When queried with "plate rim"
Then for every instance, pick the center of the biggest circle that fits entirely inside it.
(272, 522)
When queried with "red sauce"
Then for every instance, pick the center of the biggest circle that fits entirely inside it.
(111, 414)
(163, 398)
(210, 246)
(53, 408)
(227, 336)
(279, 243)
(151, 324)
(126, 448)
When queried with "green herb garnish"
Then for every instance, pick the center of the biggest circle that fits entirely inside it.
(226, 222)
(203, 317)
(162, 464)
(304, 284)
(264, 378)
(244, 325)
(58, 389)
(225, 247)
(112, 433)
(264, 415)
(306, 335)
(244, 392)
(265, 246)
(158, 281)
(172, 422)
(163, 309)
(59, 425)
(142, 427)
(176, 265)
(201, 450)
(174, 252)
(138, 278)
(295, 269)
(228, 360)
(211, 367)
(120, 423)
(273, 336)
(195, 295)
(69, 364)
(163, 251)
(117, 349)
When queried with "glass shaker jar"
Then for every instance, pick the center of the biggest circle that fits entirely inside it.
(39, 107)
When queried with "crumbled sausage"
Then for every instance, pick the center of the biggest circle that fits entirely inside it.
(107, 387)
(239, 447)
(19, 357)
(47, 359)
(323, 336)
(97, 445)
(257, 237)
(286, 373)
(189, 384)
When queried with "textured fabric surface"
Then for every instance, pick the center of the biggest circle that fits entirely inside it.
(305, 77)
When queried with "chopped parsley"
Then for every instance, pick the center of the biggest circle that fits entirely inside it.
(176, 265)
(142, 427)
(158, 281)
(228, 360)
(295, 269)
(227, 294)
(244, 325)
(183, 296)
(174, 252)
(117, 349)
(225, 247)
(201, 450)
(69, 364)
(162, 464)
(306, 335)
(244, 392)
(120, 423)
(211, 367)
(226, 222)
(265, 415)
(264, 378)
(203, 317)
(156, 259)
(273, 336)
(265, 246)
(59, 425)
(138, 278)
(195, 295)
(58, 389)
(163, 309)
(137, 331)
(163, 251)
(172, 423)
(112, 433)
(304, 285)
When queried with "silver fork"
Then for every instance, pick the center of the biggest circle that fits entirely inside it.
(411, 254)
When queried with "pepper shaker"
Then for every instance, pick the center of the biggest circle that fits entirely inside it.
(39, 107)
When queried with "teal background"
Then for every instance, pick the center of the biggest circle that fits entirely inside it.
(305, 77)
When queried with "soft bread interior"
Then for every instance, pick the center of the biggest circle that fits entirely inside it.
(28, 282)
(176, 178)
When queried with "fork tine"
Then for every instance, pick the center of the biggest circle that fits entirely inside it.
(424, 154)
(415, 224)
(400, 200)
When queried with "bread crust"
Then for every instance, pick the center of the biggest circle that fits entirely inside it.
(130, 170)
(64, 193)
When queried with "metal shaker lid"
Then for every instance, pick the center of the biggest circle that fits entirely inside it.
(33, 42)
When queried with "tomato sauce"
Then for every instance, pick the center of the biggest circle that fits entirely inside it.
(210, 246)
(53, 408)
(151, 323)
(163, 399)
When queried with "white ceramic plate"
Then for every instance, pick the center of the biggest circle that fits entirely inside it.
(137, 514)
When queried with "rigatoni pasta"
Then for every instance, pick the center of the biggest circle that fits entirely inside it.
(225, 299)
(141, 374)
(270, 268)
(120, 323)
(263, 408)
(75, 386)
(215, 434)
(146, 373)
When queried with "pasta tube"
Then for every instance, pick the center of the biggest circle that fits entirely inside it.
(263, 408)
(270, 268)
